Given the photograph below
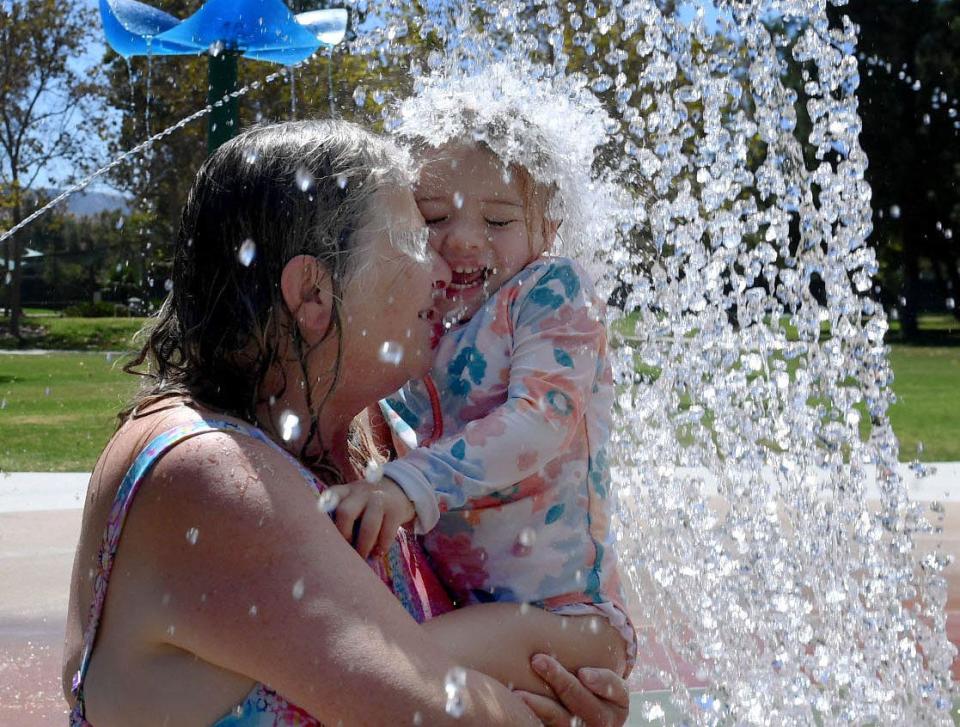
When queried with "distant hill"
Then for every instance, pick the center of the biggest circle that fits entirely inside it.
(88, 204)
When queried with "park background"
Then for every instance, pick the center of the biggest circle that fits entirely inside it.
(84, 277)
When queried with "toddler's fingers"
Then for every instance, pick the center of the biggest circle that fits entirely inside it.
(605, 683)
(348, 510)
(370, 526)
(388, 532)
(550, 712)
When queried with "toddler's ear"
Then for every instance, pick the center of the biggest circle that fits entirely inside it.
(307, 291)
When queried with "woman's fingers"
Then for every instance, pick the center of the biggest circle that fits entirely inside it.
(595, 710)
(370, 525)
(548, 711)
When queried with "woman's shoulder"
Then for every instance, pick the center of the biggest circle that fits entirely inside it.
(185, 460)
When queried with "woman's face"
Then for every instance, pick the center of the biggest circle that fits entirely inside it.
(390, 325)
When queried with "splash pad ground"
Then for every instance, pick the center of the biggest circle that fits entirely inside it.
(40, 523)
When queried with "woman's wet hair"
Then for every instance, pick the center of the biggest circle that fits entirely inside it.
(269, 194)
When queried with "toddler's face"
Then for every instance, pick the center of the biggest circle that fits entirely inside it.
(476, 213)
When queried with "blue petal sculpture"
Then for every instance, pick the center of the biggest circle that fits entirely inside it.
(265, 30)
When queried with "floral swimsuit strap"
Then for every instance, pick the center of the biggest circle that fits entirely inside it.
(118, 513)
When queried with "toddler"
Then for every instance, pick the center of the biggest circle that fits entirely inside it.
(501, 461)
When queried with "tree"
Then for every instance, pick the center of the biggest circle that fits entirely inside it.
(42, 99)
(909, 84)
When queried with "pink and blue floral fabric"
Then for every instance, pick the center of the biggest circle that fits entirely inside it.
(508, 475)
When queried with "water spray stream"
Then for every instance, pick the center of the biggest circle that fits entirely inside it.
(142, 147)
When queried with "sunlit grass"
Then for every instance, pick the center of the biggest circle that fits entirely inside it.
(78, 334)
(57, 410)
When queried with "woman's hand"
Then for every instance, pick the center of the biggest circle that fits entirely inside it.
(592, 698)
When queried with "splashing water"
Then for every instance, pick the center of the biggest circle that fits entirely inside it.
(289, 426)
(247, 252)
(391, 353)
(145, 146)
(724, 209)
(454, 684)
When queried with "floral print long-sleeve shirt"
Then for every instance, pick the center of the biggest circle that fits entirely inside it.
(503, 446)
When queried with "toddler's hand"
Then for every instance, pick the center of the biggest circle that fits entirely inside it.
(381, 509)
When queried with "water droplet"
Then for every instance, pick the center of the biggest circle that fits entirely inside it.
(305, 180)
(458, 199)
(391, 352)
(454, 684)
(373, 472)
(168, 285)
(523, 545)
(46, 391)
(653, 712)
(298, 588)
(895, 211)
(192, 535)
(950, 303)
(327, 501)
(216, 48)
(120, 222)
(289, 426)
(247, 252)
(253, 611)
(342, 181)
(359, 96)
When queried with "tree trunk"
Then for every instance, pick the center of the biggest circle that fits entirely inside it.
(950, 262)
(16, 255)
(3, 276)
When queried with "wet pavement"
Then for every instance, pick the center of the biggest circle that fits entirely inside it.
(39, 527)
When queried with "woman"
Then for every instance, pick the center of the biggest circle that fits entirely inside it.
(302, 294)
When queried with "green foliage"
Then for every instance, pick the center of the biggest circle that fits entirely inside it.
(44, 107)
(912, 142)
(100, 309)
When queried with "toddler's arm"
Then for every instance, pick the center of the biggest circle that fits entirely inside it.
(558, 364)
(499, 639)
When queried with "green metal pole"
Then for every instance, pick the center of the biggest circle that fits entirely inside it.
(224, 120)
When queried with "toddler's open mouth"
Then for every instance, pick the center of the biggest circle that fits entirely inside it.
(467, 277)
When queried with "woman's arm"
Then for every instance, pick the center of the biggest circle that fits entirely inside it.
(500, 639)
(270, 590)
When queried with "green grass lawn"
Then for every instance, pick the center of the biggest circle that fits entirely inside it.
(927, 385)
(57, 409)
(54, 333)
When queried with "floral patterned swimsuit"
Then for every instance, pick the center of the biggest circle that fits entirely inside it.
(503, 450)
(403, 569)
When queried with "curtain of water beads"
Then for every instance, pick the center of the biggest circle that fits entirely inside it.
(750, 357)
